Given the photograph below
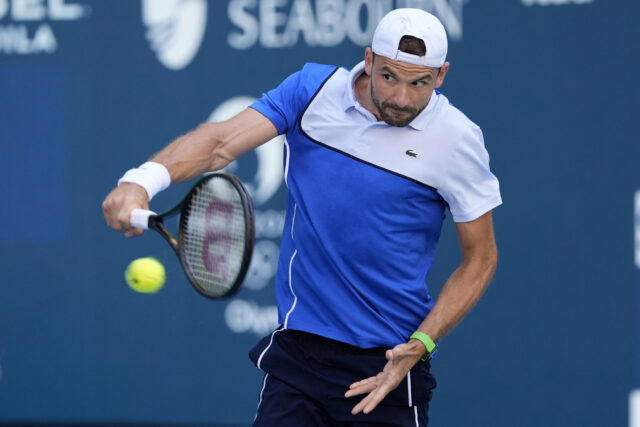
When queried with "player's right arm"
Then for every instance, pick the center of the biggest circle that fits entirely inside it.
(211, 146)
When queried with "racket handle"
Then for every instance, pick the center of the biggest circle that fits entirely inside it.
(140, 218)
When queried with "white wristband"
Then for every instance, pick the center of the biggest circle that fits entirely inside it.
(153, 177)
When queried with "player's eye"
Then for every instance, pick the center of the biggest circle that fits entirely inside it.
(388, 77)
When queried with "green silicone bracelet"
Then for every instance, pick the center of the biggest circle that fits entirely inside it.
(428, 343)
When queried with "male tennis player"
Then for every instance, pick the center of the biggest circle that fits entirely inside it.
(373, 157)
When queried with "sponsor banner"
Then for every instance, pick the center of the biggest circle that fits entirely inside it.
(175, 28)
(274, 24)
(27, 27)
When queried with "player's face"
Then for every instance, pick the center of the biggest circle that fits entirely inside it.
(400, 91)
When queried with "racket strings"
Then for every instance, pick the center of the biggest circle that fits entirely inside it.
(214, 237)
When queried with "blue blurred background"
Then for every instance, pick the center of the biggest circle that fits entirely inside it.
(89, 89)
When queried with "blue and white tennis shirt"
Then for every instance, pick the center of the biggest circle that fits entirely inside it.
(366, 205)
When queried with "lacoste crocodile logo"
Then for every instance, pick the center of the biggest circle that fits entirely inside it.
(410, 153)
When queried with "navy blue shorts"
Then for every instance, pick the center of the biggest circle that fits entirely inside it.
(307, 376)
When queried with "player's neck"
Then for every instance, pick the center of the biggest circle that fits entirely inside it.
(363, 94)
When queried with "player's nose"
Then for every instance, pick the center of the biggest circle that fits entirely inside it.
(401, 97)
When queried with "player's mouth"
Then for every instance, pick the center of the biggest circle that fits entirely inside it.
(400, 111)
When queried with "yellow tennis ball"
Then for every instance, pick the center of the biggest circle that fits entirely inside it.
(145, 275)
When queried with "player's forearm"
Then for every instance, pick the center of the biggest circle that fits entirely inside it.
(190, 155)
(459, 294)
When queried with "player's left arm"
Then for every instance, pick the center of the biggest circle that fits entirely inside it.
(468, 282)
(461, 291)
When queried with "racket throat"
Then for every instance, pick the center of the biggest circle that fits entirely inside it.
(157, 224)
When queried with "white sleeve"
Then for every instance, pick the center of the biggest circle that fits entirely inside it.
(468, 186)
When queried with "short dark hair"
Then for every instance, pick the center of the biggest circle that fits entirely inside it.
(412, 45)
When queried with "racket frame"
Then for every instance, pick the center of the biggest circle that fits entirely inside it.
(156, 222)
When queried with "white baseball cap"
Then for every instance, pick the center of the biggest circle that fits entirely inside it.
(411, 22)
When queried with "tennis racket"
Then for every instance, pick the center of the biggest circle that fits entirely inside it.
(215, 233)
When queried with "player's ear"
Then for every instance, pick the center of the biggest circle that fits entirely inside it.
(368, 60)
(443, 72)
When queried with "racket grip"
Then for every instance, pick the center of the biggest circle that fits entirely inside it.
(140, 218)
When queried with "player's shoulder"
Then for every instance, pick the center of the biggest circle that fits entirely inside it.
(313, 76)
(454, 120)
(305, 82)
(451, 114)
(315, 71)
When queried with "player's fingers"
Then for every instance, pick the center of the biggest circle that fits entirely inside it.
(363, 382)
(373, 402)
(124, 220)
(133, 232)
(361, 389)
(361, 405)
(124, 215)
(117, 217)
(107, 211)
(383, 386)
(120, 202)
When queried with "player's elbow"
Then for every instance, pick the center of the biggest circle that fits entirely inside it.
(483, 260)
(492, 263)
(487, 252)
(214, 134)
(489, 261)
(219, 160)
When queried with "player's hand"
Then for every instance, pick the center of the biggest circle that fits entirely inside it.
(400, 361)
(120, 202)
